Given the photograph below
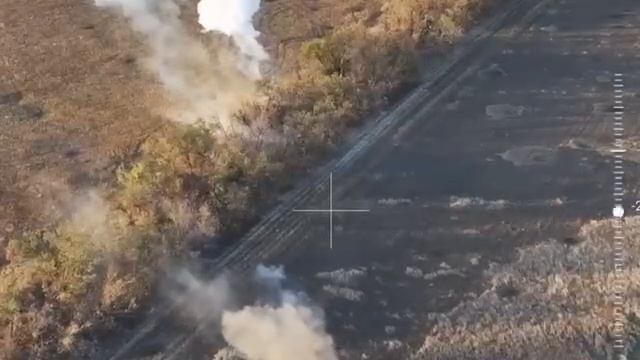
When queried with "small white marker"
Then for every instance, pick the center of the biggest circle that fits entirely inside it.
(618, 211)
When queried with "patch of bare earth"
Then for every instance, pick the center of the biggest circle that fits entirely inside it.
(554, 302)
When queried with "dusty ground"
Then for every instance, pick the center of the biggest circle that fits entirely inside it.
(74, 100)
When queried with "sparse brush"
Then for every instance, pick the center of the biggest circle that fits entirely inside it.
(552, 302)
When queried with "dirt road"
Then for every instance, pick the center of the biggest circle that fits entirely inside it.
(505, 147)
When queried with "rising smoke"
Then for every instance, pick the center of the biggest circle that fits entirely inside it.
(234, 18)
(205, 84)
(202, 301)
(280, 325)
(286, 332)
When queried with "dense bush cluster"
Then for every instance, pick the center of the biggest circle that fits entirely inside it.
(431, 19)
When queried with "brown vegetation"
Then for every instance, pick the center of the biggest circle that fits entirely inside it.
(430, 19)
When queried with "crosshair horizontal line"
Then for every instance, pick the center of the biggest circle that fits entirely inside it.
(330, 210)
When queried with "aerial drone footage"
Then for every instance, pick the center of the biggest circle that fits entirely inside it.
(319, 179)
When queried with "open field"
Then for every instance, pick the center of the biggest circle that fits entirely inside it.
(74, 102)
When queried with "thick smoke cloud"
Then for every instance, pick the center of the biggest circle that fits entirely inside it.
(289, 329)
(285, 332)
(205, 84)
(234, 18)
(202, 301)
(281, 325)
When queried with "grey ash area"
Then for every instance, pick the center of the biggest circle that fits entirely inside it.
(495, 167)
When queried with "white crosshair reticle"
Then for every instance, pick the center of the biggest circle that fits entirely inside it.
(331, 210)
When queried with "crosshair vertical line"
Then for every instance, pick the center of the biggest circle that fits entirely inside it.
(331, 210)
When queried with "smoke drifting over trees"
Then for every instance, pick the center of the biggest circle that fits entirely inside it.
(205, 83)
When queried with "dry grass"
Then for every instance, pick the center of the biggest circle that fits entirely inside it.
(430, 19)
(79, 65)
(287, 24)
(554, 302)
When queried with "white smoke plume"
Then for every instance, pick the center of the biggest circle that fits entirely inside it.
(204, 83)
(286, 327)
(202, 301)
(287, 332)
(234, 18)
